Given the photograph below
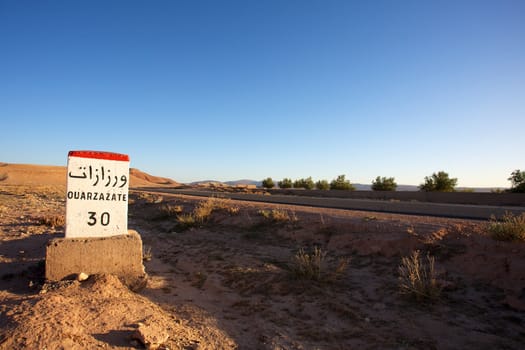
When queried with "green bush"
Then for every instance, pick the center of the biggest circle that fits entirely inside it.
(384, 184)
(322, 185)
(285, 183)
(268, 183)
(517, 178)
(439, 182)
(340, 183)
(307, 183)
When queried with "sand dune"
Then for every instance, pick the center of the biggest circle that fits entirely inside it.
(140, 178)
(49, 175)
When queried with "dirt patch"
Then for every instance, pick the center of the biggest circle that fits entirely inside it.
(229, 282)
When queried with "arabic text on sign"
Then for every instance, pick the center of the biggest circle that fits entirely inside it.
(103, 176)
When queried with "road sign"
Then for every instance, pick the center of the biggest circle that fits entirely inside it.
(97, 194)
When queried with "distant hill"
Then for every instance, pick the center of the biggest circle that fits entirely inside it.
(44, 175)
(140, 178)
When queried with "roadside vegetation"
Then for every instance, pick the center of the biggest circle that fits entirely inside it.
(384, 184)
(439, 182)
(517, 179)
(322, 185)
(52, 220)
(167, 211)
(203, 211)
(268, 183)
(509, 228)
(314, 266)
(341, 183)
(307, 184)
(285, 183)
(278, 215)
(418, 278)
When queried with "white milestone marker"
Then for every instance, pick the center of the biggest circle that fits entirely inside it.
(97, 194)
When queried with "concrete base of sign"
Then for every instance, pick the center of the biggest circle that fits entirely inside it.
(117, 255)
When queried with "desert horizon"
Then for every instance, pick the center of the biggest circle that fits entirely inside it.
(228, 274)
(20, 173)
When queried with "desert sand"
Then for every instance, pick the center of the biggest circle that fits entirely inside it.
(231, 282)
(44, 175)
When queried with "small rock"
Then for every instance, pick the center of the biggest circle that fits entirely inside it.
(150, 334)
(82, 276)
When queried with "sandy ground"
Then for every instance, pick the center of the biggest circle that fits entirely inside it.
(231, 282)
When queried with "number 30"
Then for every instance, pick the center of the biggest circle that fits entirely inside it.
(104, 218)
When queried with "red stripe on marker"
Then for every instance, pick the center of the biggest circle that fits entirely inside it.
(99, 155)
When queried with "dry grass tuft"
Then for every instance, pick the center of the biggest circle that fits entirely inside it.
(169, 210)
(52, 221)
(417, 277)
(202, 212)
(278, 215)
(313, 266)
(308, 265)
(147, 254)
(186, 220)
(150, 197)
(510, 228)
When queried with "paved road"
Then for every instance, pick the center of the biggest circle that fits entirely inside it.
(480, 212)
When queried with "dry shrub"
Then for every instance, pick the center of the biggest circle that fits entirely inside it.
(186, 220)
(313, 266)
(147, 254)
(417, 277)
(202, 212)
(3, 177)
(223, 204)
(308, 266)
(150, 197)
(510, 228)
(52, 221)
(169, 210)
(233, 210)
(278, 215)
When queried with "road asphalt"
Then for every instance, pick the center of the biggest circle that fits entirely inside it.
(478, 212)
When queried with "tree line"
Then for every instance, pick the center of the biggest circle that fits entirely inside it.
(437, 182)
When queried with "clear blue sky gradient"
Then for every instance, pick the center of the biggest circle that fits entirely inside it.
(227, 90)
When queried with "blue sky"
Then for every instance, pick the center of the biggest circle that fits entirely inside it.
(227, 90)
